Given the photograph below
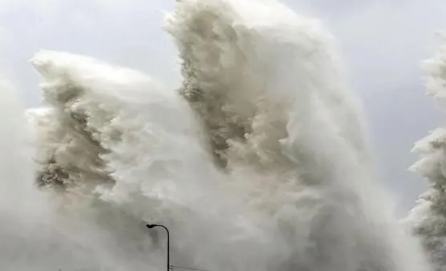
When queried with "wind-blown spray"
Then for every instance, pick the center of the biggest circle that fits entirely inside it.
(427, 219)
(258, 162)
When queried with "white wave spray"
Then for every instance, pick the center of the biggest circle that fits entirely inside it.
(258, 162)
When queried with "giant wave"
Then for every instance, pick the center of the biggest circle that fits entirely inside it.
(259, 161)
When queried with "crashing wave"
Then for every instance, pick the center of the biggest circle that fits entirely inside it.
(259, 161)
(426, 220)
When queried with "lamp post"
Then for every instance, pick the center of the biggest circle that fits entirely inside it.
(151, 226)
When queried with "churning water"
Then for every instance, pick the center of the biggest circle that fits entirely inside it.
(259, 161)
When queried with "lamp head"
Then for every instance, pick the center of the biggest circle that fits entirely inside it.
(150, 226)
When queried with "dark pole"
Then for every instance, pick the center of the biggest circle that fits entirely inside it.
(151, 226)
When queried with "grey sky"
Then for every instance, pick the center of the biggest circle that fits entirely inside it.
(383, 43)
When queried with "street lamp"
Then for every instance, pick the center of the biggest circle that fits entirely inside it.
(151, 226)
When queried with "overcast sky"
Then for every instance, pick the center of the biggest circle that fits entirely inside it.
(382, 42)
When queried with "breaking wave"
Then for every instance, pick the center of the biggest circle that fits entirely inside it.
(259, 161)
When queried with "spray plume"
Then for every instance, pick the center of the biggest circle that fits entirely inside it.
(258, 162)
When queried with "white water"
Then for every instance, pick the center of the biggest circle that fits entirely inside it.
(267, 169)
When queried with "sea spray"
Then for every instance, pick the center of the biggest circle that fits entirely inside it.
(259, 161)
(267, 86)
